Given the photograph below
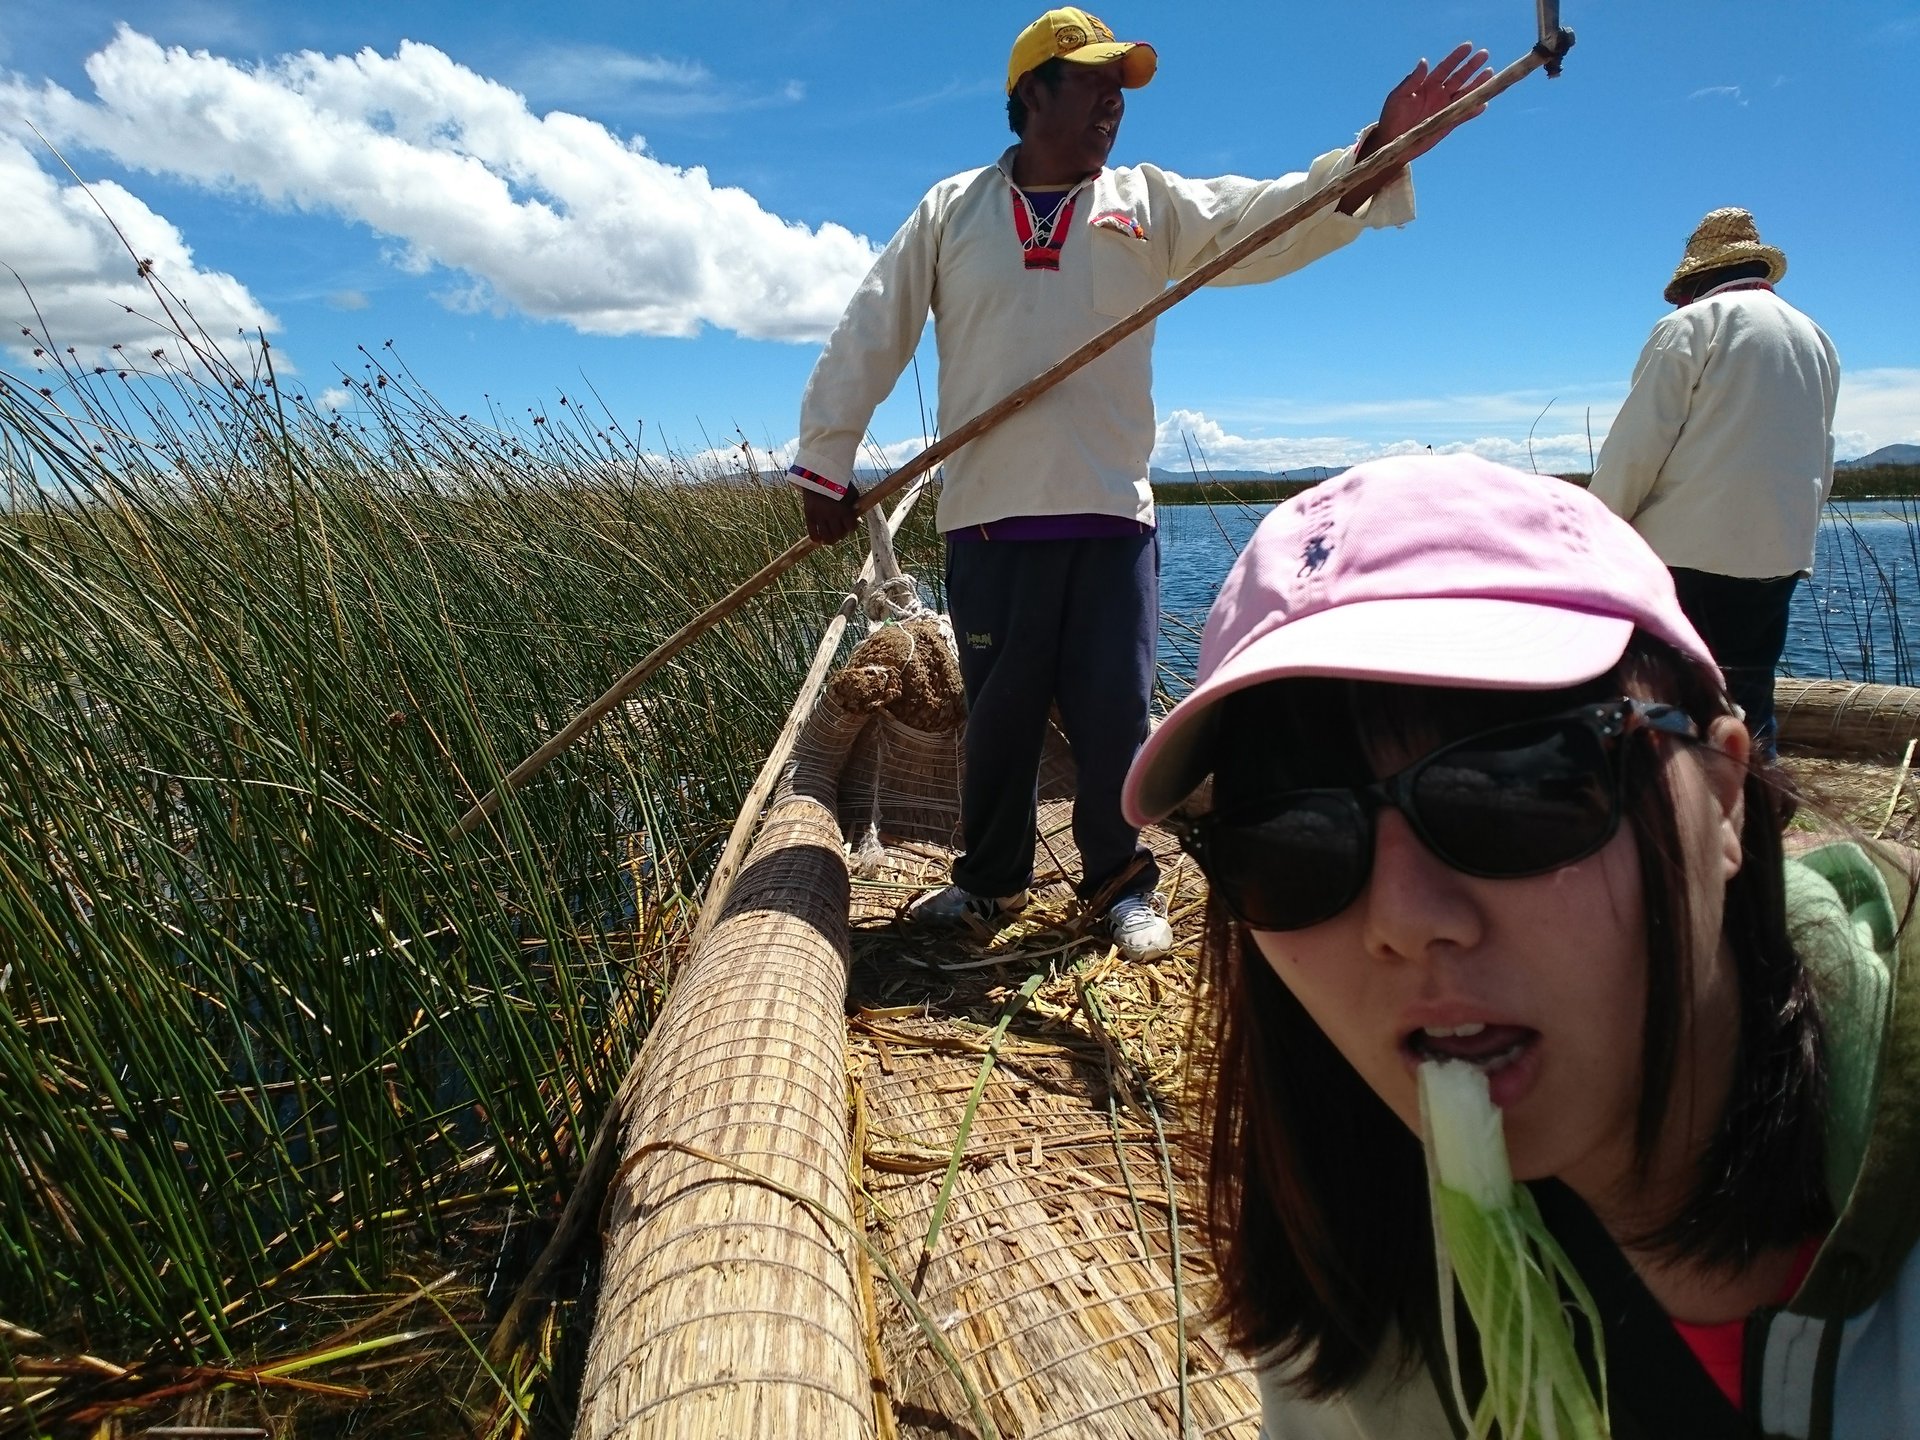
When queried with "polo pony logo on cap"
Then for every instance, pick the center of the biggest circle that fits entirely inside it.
(1315, 553)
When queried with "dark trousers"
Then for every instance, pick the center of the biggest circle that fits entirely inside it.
(1744, 623)
(1040, 623)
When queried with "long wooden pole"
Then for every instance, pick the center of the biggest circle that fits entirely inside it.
(1388, 157)
(721, 880)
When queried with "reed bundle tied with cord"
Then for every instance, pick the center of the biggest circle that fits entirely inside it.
(1846, 717)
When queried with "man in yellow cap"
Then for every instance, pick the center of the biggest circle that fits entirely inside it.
(1722, 455)
(1052, 561)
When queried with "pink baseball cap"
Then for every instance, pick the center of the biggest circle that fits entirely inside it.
(1429, 570)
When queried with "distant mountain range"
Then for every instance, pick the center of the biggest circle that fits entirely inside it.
(1885, 455)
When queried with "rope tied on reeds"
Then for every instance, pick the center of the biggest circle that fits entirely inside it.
(895, 598)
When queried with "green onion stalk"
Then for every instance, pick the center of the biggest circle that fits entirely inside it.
(1493, 1249)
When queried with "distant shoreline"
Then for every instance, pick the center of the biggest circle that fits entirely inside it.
(1877, 482)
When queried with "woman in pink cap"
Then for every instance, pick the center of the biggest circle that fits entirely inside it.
(1478, 793)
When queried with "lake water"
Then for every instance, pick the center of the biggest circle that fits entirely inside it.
(1858, 618)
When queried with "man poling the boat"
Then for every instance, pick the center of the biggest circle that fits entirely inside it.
(828, 522)
(1052, 556)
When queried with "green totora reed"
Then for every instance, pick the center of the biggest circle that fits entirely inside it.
(291, 1081)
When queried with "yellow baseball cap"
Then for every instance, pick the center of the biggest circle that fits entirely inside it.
(1072, 34)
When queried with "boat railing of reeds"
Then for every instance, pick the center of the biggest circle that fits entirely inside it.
(869, 1182)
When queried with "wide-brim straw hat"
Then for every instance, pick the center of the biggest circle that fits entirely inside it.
(1725, 237)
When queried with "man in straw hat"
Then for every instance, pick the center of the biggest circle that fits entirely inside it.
(1723, 453)
(1052, 562)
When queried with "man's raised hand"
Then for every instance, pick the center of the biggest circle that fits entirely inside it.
(1425, 93)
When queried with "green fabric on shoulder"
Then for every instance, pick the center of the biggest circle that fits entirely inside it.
(1842, 921)
(1851, 913)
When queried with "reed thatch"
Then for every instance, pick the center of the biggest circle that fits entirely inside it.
(1845, 717)
(729, 1304)
(734, 1301)
(1065, 1271)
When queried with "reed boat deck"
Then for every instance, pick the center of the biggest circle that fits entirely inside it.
(1065, 1276)
(910, 1182)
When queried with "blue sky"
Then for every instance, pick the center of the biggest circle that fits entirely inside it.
(670, 203)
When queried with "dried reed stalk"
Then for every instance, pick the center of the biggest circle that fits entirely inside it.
(1056, 1281)
(880, 565)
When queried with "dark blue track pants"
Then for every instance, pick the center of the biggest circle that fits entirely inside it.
(1040, 623)
(1744, 623)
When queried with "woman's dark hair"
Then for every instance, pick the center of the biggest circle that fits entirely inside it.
(1048, 73)
(1317, 1209)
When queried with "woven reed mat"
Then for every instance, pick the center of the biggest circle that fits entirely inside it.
(1053, 1280)
(729, 1304)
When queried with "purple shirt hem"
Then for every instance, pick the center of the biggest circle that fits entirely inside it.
(1053, 527)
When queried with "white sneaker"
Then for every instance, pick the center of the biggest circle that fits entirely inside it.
(954, 906)
(1138, 924)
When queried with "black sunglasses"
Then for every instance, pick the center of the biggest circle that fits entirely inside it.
(1520, 799)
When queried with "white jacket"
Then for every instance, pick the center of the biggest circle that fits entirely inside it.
(1083, 447)
(1723, 454)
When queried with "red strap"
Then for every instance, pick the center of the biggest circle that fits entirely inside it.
(1721, 1349)
(1041, 253)
(831, 486)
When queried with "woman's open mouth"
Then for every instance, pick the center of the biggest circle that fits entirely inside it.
(1509, 1055)
(1491, 1047)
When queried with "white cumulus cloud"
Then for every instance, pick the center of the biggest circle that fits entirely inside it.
(1877, 407)
(73, 282)
(1192, 437)
(552, 215)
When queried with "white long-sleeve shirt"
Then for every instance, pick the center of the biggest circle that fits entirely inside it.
(1723, 453)
(1084, 446)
